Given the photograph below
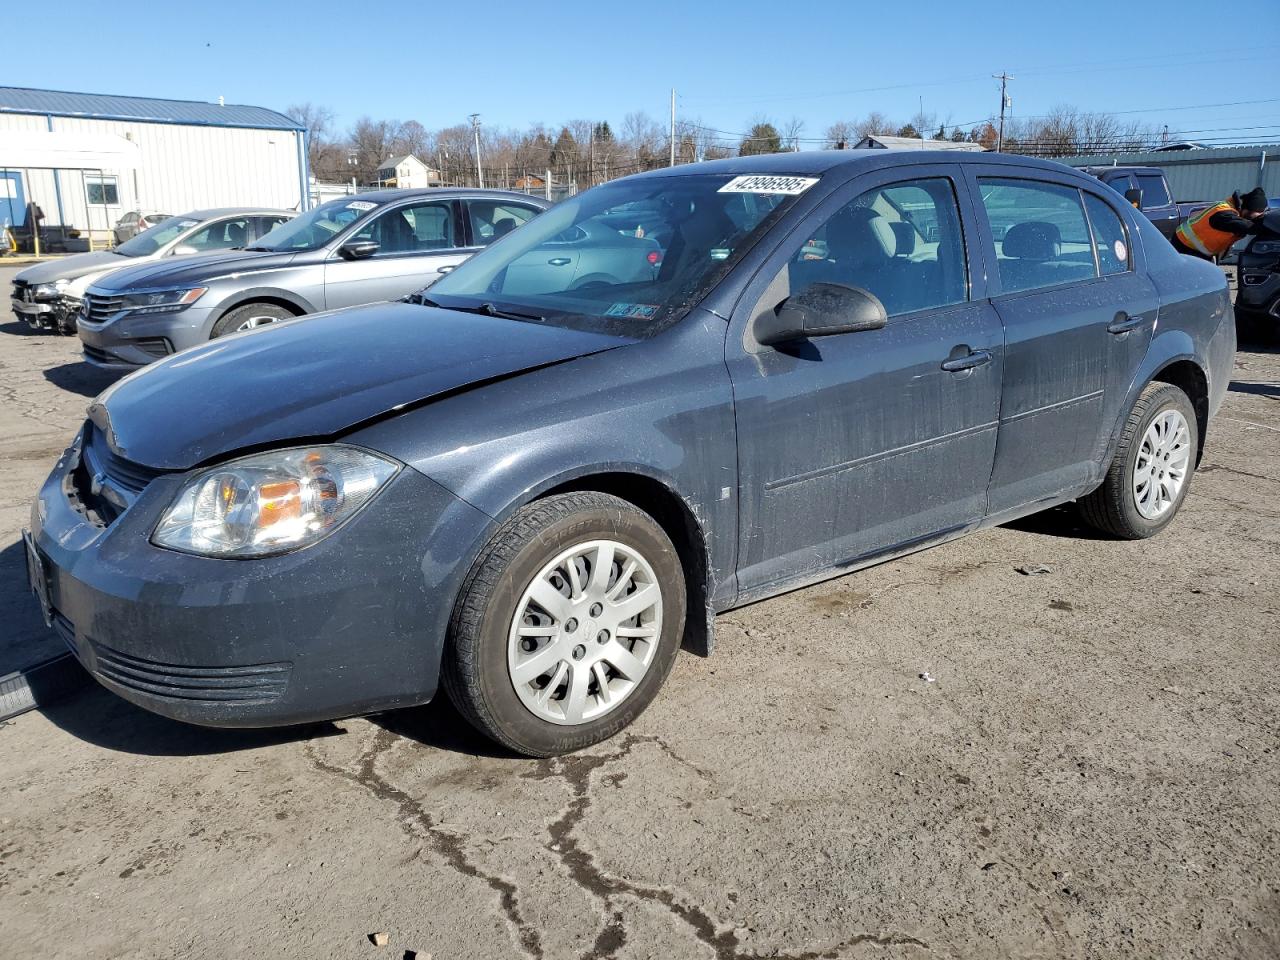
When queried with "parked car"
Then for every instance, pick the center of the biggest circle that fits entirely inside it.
(1148, 190)
(134, 222)
(381, 245)
(1258, 280)
(49, 295)
(535, 494)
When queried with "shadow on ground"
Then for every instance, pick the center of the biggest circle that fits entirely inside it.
(81, 378)
(1061, 521)
(1258, 389)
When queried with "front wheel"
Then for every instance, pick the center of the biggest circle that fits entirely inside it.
(249, 317)
(567, 625)
(1151, 471)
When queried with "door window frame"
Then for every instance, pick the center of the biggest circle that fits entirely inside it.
(464, 203)
(974, 172)
(764, 276)
(1131, 266)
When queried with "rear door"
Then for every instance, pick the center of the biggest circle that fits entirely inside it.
(1059, 315)
(415, 240)
(853, 445)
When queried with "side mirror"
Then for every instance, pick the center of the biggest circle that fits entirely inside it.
(1134, 196)
(182, 249)
(821, 310)
(358, 249)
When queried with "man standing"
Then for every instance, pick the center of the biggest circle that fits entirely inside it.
(1211, 232)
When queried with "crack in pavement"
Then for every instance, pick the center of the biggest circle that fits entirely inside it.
(447, 845)
(576, 770)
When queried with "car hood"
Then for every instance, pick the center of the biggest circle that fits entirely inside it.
(196, 268)
(72, 268)
(316, 377)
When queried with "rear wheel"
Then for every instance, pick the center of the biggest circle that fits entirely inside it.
(1151, 471)
(567, 625)
(249, 317)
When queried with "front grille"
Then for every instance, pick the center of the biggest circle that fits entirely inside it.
(253, 683)
(97, 353)
(104, 484)
(100, 309)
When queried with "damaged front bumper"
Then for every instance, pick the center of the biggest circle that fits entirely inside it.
(48, 313)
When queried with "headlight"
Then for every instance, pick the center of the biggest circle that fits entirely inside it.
(46, 290)
(162, 301)
(1265, 246)
(271, 502)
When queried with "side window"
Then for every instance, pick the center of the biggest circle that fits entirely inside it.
(267, 224)
(221, 235)
(1108, 236)
(418, 228)
(1154, 191)
(1120, 184)
(901, 242)
(1042, 238)
(491, 220)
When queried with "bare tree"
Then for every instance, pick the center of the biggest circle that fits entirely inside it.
(841, 134)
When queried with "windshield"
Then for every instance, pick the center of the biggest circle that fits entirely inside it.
(632, 256)
(149, 241)
(315, 228)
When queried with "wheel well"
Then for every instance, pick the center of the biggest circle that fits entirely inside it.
(1190, 379)
(679, 523)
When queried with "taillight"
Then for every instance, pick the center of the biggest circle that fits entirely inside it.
(654, 257)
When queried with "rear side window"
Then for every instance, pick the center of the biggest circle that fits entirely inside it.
(1041, 236)
(1108, 236)
(220, 235)
(901, 242)
(491, 221)
(1154, 191)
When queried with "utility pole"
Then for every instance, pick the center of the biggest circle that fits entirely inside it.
(475, 128)
(1005, 104)
(673, 126)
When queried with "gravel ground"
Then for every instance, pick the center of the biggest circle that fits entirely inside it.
(1094, 772)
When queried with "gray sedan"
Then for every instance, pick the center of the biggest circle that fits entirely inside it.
(381, 245)
(49, 295)
(533, 496)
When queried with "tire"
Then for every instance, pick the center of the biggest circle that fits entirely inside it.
(484, 652)
(1117, 506)
(235, 320)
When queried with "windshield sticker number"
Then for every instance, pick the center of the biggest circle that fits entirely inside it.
(633, 311)
(360, 205)
(761, 184)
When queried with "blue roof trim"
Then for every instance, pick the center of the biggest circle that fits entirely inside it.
(101, 106)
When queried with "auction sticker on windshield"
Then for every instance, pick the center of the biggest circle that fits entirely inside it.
(763, 184)
(633, 311)
(360, 205)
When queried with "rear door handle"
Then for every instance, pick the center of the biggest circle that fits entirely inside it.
(975, 359)
(559, 261)
(1123, 323)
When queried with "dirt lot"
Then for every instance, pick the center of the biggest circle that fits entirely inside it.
(1094, 773)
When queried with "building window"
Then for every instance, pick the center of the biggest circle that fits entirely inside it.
(102, 190)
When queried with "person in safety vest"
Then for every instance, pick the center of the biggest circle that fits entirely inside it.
(1211, 232)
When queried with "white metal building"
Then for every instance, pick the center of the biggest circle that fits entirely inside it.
(878, 142)
(87, 159)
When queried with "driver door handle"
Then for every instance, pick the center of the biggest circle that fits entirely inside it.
(975, 359)
(559, 261)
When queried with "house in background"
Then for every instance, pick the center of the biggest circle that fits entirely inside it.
(407, 172)
(878, 142)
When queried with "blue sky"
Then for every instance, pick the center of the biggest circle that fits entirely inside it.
(552, 62)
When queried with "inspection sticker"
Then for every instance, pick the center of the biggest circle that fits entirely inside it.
(360, 205)
(762, 184)
(1121, 252)
(633, 311)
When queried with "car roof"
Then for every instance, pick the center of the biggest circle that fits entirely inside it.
(1098, 171)
(214, 212)
(405, 193)
(819, 162)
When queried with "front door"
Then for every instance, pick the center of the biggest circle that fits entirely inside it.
(856, 444)
(1059, 316)
(415, 241)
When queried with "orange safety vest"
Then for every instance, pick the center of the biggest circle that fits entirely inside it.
(1199, 236)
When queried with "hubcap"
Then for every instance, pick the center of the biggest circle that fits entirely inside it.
(601, 591)
(1163, 460)
(254, 322)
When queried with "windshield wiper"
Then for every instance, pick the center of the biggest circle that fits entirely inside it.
(485, 309)
(256, 249)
